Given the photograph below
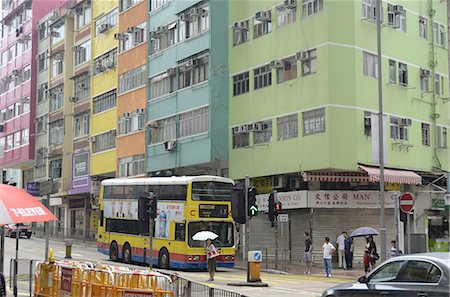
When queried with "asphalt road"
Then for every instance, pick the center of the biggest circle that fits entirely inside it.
(279, 285)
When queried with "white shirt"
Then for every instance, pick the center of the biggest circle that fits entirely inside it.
(341, 242)
(327, 249)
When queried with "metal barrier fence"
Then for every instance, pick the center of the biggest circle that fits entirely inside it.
(71, 233)
(279, 259)
(25, 275)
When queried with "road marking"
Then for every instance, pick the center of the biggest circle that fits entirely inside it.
(302, 292)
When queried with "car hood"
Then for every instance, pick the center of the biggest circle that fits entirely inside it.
(347, 286)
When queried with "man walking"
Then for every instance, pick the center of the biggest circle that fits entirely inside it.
(340, 242)
(308, 252)
(328, 250)
(348, 252)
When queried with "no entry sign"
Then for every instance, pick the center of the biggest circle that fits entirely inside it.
(406, 202)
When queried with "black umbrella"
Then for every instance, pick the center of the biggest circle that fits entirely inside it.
(364, 231)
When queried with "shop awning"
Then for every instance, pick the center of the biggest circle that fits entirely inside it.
(332, 176)
(392, 176)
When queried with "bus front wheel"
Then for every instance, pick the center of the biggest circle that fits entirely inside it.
(114, 251)
(126, 253)
(163, 259)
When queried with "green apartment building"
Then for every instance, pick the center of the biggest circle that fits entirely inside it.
(303, 114)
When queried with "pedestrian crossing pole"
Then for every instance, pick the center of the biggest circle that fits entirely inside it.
(247, 227)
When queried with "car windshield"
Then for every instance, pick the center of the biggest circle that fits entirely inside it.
(386, 273)
(223, 229)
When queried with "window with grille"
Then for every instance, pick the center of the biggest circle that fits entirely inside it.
(287, 127)
(55, 167)
(132, 79)
(423, 28)
(131, 166)
(426, 134)
(163, 38)
(397, 17)
(125, 4)
(154, 5)
(370, 65)
(311, 7)
(262, 132)
(241, 83)
(41, 123)
(57, 66)
(105, 62)
(399, 130)
(106, 22)
(424, 80)
(288, 71)
(193, 122)
(165, 130)
(285, 15)
(82, 89)
(57, 33)
(193, 71)
(195, 22)
(309, 64)
(240, 138)
(131, 122)
(56, 132)
(42, 92)
(104, 141)
(105, 101)
(402, 74)
(56, 98)
(262, 77)
(84, 17)
(314, 121)
(81, 125)
(441, 137)
(240, 32)
(42, 61)
(262, 26)
(163, 84)
(392, 71)
(82, 52)
(135, 38)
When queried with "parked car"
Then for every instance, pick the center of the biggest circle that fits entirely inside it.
(425, 274)
(11, 230)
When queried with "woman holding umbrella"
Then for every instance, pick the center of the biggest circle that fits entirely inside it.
(211, 254)
(372, 251)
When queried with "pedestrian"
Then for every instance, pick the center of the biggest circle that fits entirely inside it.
(372, 249)
(394, 250)
(308, 252)
(328, 250)
(211, 254)
(340, 242)
(348, 252)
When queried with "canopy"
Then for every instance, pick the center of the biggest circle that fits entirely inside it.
(393, 176)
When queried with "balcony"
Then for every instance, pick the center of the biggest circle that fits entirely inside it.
(12, 7)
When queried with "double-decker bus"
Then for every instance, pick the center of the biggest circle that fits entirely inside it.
(185, 206)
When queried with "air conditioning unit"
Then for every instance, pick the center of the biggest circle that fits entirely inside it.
(77, 48)
(92, 139)
(78, 10)
(127, 115)
(119, 36)
(290, 3)
(263, 16)
(405, 122)
(73, 99)
(422, 21)
(100, 68)
(240, 26)
(279, 182)
(131, 30)
(424, 73)
(170, 145)
(171, 71)
(302, 56)
(194, 11)
(153, 124)
(53, 17)
(110, 65)
(16, 72)
(275, 64)
(40, 26)
(153, 34)
(258, 127)
(191, 62)
(54, 33)
(82, 85)
(104, 27)
(367, 121)
(398, 9)
(113, 132)
(184, 16)
(140, 111)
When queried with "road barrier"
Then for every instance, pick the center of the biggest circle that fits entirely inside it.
(80, 279)
(25, 271)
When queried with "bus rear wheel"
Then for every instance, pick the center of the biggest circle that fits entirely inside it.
(114, 251)
(126, 253)
(163, 259)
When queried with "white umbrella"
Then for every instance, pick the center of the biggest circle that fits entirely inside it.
(204, 235)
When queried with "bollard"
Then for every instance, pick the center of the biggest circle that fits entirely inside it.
(254, 259)
(68, 243)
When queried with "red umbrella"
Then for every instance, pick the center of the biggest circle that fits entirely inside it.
(17, 206)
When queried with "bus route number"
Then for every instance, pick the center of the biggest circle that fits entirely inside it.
(213, 211)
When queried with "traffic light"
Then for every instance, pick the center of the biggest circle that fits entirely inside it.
(277, 207)
(252, 207)
(238, 203)
(272, 208)
(152, 206)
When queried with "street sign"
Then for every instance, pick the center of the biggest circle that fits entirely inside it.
(254, 256)
(283, 217)
(66, 280)
(253, 210)
(406, 202)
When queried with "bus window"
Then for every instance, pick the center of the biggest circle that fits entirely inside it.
(170, 192)
(180, 231)
(211, 191)
(223, 229)
(113, 192)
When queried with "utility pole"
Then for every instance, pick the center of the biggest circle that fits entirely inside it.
(247, 227)
(46, 231)
(151, 221)
(381, 135)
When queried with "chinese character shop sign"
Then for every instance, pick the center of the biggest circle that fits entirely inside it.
(349, 199)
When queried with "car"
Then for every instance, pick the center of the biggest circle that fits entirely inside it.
(423, 274)
(11, 230)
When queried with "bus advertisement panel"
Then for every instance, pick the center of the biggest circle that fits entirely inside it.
(186, 205)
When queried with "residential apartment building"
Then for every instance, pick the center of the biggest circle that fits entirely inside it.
(104, 77)
(132, 88)
(17, 89)
(303, 114)
(188, 93)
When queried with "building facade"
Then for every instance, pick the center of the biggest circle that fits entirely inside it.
(132, 91)
(303, 115)
(187, 106)
(104, 77)
(19, 44)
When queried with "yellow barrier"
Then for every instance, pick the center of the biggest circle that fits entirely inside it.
(82, 279)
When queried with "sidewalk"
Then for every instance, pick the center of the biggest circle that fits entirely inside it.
(299, 269)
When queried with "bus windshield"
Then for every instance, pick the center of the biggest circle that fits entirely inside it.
(211, 191)
(223, 229)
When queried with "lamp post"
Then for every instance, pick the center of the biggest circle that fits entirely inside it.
(381, 135)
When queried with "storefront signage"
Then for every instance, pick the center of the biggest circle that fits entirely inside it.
(437, 203)
(130, 293)
(289, 200)
(33, 188)
(349, 199)
(76, 203)
(66, 280)
(212, 211)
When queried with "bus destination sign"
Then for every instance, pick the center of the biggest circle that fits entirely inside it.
(213, 211)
